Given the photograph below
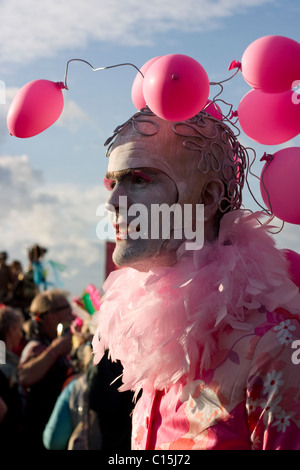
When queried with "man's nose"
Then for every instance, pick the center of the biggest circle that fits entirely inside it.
(113, 199)
(117, 198)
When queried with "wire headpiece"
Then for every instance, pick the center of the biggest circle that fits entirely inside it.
(176, 88)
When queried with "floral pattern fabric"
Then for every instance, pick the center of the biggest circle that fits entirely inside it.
(249, 397)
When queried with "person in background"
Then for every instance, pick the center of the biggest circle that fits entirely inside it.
(72, 424)
(17, 299)
(44, 364)
(11, 334)
(6, 279)
(16, 270)
(32, 279)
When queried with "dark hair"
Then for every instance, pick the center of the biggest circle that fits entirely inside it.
(8, 317)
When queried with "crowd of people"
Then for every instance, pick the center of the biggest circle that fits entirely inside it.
(17, 288)
(52, 396)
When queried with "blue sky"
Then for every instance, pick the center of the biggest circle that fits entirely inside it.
(51, 184)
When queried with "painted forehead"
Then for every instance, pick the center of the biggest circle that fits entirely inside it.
(186, 151)
(145, 144)
(148, 134)
(146, 140)
(133, 172)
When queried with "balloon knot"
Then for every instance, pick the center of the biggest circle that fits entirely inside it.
(266, 157)
(234, 114)
(62, 85)
(235, 64)
(174, 76)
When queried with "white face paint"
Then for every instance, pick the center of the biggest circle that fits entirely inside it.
(144, 187)
(161, 167)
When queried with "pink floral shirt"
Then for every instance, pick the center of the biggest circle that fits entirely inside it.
(249, 398)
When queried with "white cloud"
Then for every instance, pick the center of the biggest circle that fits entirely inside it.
(31, 29)
(61, 217)
(289, 237)
(17, 178)
(7, 95)
(73, 116)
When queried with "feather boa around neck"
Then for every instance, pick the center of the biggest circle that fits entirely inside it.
(164, 324)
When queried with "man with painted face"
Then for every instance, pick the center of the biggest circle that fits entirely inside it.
(205, 330)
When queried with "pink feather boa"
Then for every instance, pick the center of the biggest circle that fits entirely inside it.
(164, 324)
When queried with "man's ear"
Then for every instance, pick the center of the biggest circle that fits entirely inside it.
(213, 191)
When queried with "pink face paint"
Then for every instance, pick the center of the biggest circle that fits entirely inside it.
(141, 174)
(108, 183)
(135, 174)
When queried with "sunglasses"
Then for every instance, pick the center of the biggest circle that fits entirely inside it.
(39, 316)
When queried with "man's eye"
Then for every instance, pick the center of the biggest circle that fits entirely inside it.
(140, 178)
(109, 184)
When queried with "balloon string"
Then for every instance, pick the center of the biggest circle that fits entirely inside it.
(132, 65)
(268, 159)
(249, 171)
(96, 69)
(225, 80)
(266, 211)
(225, 118)
(228, 118)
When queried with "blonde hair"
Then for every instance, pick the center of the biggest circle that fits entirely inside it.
(49, 300)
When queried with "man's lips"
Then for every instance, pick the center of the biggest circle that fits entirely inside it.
(122, 229)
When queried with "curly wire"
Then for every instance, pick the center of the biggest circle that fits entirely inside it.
(243, 164)
(240, 164)
(237, 161)
(134, 122)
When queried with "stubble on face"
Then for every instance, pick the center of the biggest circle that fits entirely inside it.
(145, 186)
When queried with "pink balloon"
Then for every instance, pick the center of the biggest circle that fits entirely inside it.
(269, 118)
(36, 106)
(213, 109)
(294, 265)
(279, 184)
(176, 87)
(137, 94)
(271, 63)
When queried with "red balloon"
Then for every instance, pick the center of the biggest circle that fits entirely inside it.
(271, 63)
(269, 118)
(137, 94)
(36, 106)
(279, 184)
(294, 265)
(176, 87)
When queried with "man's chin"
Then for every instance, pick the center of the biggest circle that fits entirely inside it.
(140, 263)
(142, 257)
